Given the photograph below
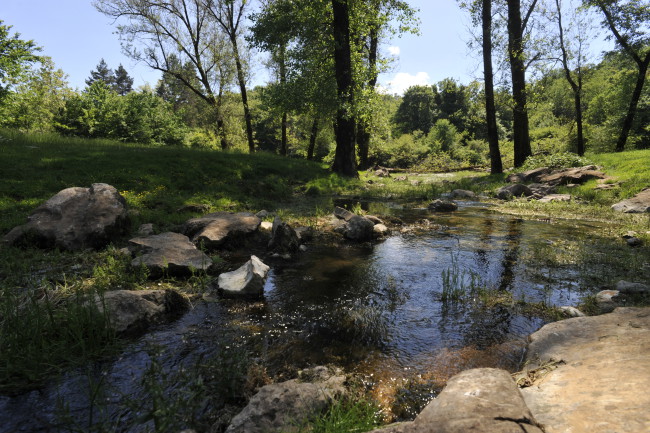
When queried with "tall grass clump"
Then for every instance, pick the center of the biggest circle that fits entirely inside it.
(41, 333)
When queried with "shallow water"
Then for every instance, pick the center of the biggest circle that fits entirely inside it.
(378, 310)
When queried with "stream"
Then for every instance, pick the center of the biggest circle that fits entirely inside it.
(405, 314)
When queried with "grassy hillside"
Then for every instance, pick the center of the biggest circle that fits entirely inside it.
(154, 180)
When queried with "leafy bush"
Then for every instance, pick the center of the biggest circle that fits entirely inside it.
(139, 117)
(555, 160)
(403, 152)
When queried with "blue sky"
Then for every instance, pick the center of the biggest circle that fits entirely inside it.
(76, 36)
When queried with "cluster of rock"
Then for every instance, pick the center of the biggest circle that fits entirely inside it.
(540, 183)
(358, 227)
(82, 218)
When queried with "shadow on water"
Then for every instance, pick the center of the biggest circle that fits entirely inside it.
(385, 311)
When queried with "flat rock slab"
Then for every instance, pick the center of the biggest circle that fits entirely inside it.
(555, 197)
(220, 228)
(640, 203)
(603, 385)
(74, 219)
(171, 253)
(484, 400)
(576, 175)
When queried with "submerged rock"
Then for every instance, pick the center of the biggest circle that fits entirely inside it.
(442, 206)
(74, 219)
(462, 194)
(629, 288)
(245, 282)
(133, 311)
(285, 406)
(640, 203)
(170, 253)
(218, 229)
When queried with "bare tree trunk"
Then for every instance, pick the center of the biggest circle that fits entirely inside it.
(244, 96)
(634, 102)
(312, 139)
(283, 80)
(576, 87)
(521, 138)
(363, 127)
(642, 64)
(344, 158)
(488, 74)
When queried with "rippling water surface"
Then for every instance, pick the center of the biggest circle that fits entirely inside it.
(383, 310)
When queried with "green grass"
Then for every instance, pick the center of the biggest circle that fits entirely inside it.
(346, 415)
(154, 180)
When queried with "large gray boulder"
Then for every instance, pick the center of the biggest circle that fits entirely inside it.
(245, 282)
(358, 228)
(133, 311)
(282, 407)
(74, 219)
(640, 203)
(219, 229)
(484, 400)
(602, 382)
(284, 239)
(170, 253)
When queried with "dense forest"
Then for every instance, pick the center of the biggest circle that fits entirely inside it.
(543, 89)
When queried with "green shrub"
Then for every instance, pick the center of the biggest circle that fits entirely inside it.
(555, 160)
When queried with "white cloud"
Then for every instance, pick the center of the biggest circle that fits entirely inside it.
(393, 51)
(403, 81)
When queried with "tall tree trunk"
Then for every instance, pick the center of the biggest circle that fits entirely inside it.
(488, 74)
(634, 102)
(312, 139)
(642, 64)
(344, 159)
(244, 97)
(576, 87)
(518, 73)
(363, 127)
(283, 81)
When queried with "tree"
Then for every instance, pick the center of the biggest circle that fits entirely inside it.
(101, 73)
(417, 111)
(122, 82)
(628, 21)
(516, 54)
(35, 102)
(175, 32)
(344, 159)
(488, 77)
(572, 61)
(229, 14)
(16, 55)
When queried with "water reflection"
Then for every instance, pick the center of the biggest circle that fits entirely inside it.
(374, 310)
